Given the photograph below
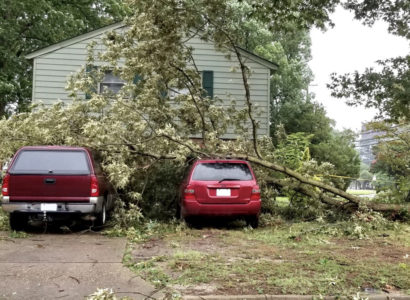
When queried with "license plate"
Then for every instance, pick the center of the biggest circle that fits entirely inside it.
(223, 192)
(48, 207)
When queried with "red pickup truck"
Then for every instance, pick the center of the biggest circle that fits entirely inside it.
(54, 182)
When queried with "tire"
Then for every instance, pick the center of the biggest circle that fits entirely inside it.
(18, 221)
(252, 221)
(102, 215)
(189, 221)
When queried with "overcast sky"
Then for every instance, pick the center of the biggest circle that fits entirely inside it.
(347, 47)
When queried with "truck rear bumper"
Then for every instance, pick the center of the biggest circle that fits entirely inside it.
(62, 207)
(193, 208)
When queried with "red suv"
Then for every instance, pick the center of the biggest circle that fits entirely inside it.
(54, 182)
(215, 187)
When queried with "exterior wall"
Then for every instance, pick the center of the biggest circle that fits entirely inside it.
(52, 70)
(228, 85)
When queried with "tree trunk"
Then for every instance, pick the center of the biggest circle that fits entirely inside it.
(305, 191)
(301, 178)
(324, 187)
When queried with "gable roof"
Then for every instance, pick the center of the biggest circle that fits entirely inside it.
(263, 61)
(94, 33)
(74, 40)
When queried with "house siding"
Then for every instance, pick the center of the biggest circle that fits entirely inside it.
(53, 69)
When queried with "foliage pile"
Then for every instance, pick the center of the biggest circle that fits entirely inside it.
(145, 179)
(356, 226)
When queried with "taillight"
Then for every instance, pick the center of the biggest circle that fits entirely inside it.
(189, 193)
(256, 193)
(94, 190)
(5, 188)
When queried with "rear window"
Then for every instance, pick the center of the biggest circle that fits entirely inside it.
(51, 162)
(222, 171)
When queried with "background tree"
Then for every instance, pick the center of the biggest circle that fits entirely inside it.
(395, 13)
(339, 150)
(386, 90)
(393, 158)
(293, 108)
(26, 26)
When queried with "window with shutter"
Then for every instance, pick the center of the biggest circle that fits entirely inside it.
(111, 82)
(89, 69)
(137, 78)
(208, 83)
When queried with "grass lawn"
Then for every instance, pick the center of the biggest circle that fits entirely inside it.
(300, 258)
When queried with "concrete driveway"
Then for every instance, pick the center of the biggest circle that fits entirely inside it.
(66, 266)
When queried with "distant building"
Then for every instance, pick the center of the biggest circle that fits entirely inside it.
(364, 145)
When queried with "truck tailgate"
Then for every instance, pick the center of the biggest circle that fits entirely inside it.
(50, 188)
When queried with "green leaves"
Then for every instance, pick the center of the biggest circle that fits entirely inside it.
(394, 13)
(393, 158)
(339, 150)
(386, 90)
(293, 150)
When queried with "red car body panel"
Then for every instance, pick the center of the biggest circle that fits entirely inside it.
(204, 201)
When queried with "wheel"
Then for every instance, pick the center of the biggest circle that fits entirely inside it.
(252, 221)
(18, 221)
(102, 215)
(189, 221)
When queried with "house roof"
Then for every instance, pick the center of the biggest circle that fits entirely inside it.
(73, 40)
(94, 33)
(270, 64)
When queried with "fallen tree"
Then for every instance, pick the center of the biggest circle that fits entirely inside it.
(301, 184)
(321, 196)
(296, 181)
(139, 132)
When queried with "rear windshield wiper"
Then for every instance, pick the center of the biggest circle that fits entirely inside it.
(228, 179)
